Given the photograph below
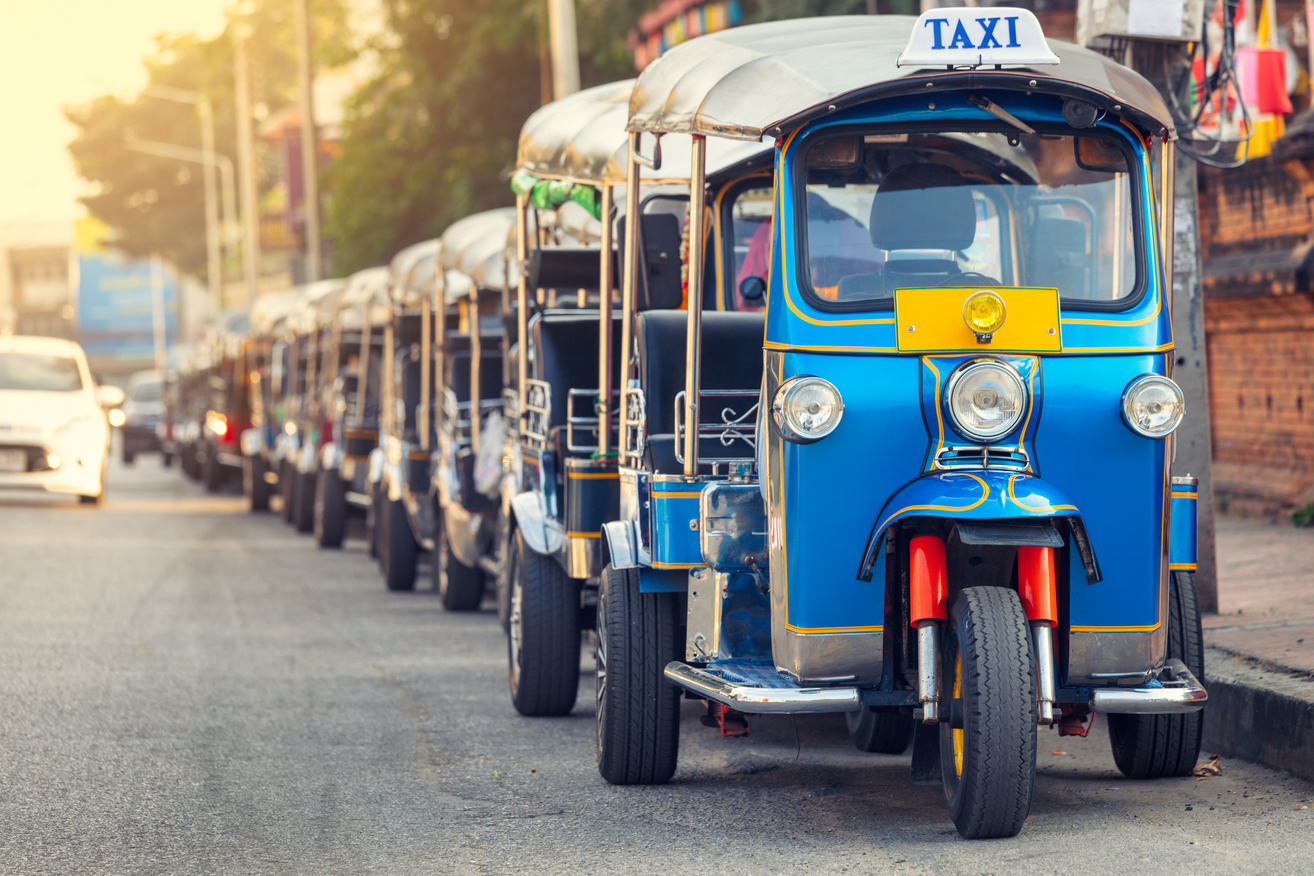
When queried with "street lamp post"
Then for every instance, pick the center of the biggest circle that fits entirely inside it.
(214, 264)
(309, 143)
(246, 162)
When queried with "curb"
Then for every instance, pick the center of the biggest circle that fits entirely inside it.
(1258, 715)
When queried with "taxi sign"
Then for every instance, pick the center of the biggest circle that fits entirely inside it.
(976, 37)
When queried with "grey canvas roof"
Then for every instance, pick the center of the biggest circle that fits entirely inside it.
(270, 309)
(304, 317)
(476, 246)
(582, 138)
(770, 78)
(366, 296)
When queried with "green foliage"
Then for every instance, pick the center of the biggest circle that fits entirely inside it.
(157, 205)
(433, 138)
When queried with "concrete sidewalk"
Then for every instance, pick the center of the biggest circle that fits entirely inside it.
(1260, 663)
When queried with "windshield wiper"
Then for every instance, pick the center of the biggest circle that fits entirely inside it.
(1000, 113)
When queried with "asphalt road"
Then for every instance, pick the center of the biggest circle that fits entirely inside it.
(188, 688)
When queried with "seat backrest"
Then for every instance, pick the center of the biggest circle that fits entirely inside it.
(732, 358)
(565, 353)
(457, 371)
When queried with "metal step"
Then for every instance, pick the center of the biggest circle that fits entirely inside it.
(1175, 691)
(757, 688)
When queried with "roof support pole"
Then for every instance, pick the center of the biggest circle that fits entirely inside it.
(603, 403)
(629, 279)
(693, 340)
(522, 306)
(476, 355)
(423, 418)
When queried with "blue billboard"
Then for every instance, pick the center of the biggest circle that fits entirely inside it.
(116, 306)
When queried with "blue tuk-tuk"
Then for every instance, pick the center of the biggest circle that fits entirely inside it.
(957, 508)
(572, 156)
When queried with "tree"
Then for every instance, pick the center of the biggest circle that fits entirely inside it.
(155, 205)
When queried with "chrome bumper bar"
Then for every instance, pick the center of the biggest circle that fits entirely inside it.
(762, 693)
(1179, 692)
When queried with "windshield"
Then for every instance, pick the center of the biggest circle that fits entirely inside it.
(748, 242)
(39, 372)
(150, 391)
(897, 211)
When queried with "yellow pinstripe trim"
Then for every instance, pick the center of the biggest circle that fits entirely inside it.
(657, 495)
(592, 476)
(1183, 567)
(657, 565)
(813, 631)
(584, 534)
(1148, 629)
(1186, 495)
(1047, 509)
(939, 417)
(985, 494)
(804, 348)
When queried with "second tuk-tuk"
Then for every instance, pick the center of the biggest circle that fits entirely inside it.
(958, 506)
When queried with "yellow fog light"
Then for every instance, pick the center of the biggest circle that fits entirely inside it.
(52, 460)
(117, 417)
(984, 314)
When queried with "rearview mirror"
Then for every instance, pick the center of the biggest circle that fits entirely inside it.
(752, 288)
(109, 396)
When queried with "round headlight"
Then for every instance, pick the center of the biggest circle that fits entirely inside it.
(1153, 406)
(986, 399)
(807, 409)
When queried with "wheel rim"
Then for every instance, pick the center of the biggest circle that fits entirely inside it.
(958, 734)
(600, 661)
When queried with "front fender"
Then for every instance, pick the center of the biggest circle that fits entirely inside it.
(533, 524)
(981, 495)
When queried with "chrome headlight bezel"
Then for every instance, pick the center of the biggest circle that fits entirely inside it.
(1129, 397)
(1011, 374)
(790, 429)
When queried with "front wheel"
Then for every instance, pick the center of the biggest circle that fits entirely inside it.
(254, 484)
(212, 474)
(880, 732)
(638, 709)
(460, 587)
(1155, 746)
(543, 641)
(303, 502)
(400, 551)
(330, 511)
(988, 745)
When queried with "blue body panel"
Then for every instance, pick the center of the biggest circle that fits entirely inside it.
(663, 580)
(835, 487)
(674, 544)
(1182, 544)
(1118, 479)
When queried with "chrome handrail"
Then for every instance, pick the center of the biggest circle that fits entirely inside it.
(734, 426)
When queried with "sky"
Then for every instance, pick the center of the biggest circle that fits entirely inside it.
(61, 52)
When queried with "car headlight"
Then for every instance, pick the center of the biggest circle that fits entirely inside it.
(117, 417)
(806, 409)
(1153, 406)
(986, 399)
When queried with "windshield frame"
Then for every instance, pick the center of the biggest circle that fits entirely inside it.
(798, 192)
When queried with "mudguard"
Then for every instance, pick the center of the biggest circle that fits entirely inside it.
(330, 457)
(533, 524)
(981, 495)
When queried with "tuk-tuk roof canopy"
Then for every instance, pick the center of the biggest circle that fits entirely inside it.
(365, 298)
(404, 262)
(476, 246)
(271, 308)
(747, 82)
(582, 138)
(304, 317)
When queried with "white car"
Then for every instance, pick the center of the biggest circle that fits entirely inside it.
(53, 431)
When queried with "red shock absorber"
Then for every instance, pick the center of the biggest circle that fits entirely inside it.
(1037, 586)
(928, 583)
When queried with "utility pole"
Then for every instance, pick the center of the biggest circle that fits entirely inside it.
(214, 261)
(157, 311)
(309, 143)
(246, 166)
(565, 47)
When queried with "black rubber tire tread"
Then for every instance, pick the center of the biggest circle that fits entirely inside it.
(993, 796)
(373, 516)
(212, 474)
(303, 502)
(459, 587)
(880, 731)
(546, 682)
(638, 709)
(1159, 746)
(287, 489)
(330, 510)
(401, 551)
(254, 484)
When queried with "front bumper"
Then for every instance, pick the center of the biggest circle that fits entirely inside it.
(79, 470)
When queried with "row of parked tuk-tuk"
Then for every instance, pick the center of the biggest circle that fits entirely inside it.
(755, 386)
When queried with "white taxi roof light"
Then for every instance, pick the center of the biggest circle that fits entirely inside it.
(977, 36)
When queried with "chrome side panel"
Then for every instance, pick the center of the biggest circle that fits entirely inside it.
(1098, 657)
(537, 528)
(622, 544)
(582, 556)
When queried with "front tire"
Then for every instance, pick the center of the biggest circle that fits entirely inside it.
(330, 511)
(303, 502)
(988, 761)
(400, 552)
(638, 709)
(211, 472)
(460, 587)
(1156, 746)
(254, 484)
(543, 642)
(880, 732)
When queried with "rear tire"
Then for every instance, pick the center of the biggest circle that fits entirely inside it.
(543, 642)
(880, 732)
(303, 502)
(1157, 746)
(167, 459)
(638, 709)
(988, 764)
(400, 552)
(286, 489)
(505, 531)
(212, 474)
(460, 587)
(372, 523)
(254, 484)
(330, 511)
